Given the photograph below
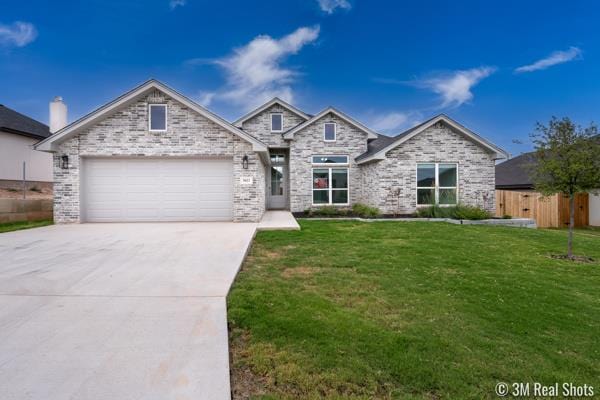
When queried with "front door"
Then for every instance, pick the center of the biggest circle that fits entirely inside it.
(277, 182)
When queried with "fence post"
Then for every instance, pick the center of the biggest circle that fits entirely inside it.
(24, 185)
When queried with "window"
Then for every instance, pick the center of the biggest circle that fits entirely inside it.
(277, 158)
(158, 117)
(276, 122)
(437, 184)
(329, 131)
(330, 184)
(330, 160)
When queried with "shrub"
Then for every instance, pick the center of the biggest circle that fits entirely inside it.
(365, 211)
(470, 212)
(456, 212)
(36, 189)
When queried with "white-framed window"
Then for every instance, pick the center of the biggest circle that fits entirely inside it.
(157, 117)
(329, 131)
(330, 180)
(437, 184)
(276, 122)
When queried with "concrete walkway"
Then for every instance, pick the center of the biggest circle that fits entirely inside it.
(278, 220)
(118, 311)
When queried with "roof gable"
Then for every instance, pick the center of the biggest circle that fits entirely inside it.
(12, 121)
(370, 134)
(131, 96)
(379, 148)
(276, 100)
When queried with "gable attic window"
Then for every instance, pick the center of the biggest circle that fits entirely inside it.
(276, 122)
(329, 131)
(157, 120)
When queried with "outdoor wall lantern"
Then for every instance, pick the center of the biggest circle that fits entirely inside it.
(64, 162)
(245, 161)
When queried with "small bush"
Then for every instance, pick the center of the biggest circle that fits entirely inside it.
(36, 189)
(456, 212)
(11, 190)
(470, 212)
(365, 211)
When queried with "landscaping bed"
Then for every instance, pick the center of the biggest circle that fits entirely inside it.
(345, 309)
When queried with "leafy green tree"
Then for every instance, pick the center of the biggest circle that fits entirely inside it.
(567, 162)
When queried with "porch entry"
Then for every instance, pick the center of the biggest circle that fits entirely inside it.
(277, 181)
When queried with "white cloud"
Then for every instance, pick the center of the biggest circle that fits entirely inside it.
(173, 4)
(557, 57)
(329, 6)
(254, 72)
(205, 98)
(455, 87)
(18, 34)
(394, 121)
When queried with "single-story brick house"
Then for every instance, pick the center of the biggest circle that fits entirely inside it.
(155, 155)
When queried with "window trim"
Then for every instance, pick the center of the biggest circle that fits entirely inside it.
(334, 131)
(150, 117)
(271, 121)
(437, 187)
(330, 189)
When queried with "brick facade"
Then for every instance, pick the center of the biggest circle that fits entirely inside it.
(125, 133)
(259, 126)
(391, 186)
(308, 142)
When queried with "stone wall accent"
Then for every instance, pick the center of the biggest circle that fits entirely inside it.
(125, 133)
(390, 184)
(259, 126)
(308, 142)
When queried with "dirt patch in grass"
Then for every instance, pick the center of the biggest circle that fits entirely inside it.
(580, 259)
(245, 384)
(299, 272)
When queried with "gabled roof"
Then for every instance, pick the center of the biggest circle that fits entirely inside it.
(515, 173)
(17, 123)
(276, 100)
(378, 148)
(370, 134)
(131, 96)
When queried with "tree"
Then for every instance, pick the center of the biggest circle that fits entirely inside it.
(567, 162)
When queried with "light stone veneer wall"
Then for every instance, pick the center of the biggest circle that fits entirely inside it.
(391, 184)
(125, 133)
(259, 126)
(309, 141)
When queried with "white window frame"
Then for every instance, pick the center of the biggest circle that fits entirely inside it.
(150, 117)
(334, 131)
(437, 187)
(330, 189)
(271, 121)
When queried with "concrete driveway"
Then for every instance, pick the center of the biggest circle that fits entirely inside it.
(118, 311)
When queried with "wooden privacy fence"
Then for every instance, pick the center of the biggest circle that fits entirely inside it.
(548, 212)
(13, 210)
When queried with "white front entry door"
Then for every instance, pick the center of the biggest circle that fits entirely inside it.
(153, 189)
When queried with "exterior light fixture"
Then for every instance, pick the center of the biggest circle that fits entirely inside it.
(245, 161)
(64, 162)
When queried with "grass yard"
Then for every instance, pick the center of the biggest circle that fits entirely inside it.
(412, 310)
(16, 226)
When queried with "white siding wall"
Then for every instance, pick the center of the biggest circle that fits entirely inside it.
(14, 149)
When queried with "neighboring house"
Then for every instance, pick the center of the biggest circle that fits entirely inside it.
(155, 155)
(514, 175)
(18, 134)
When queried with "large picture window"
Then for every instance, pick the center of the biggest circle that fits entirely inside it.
(437, 184)
(330, 183)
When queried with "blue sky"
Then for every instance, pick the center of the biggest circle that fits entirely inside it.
(495, 66)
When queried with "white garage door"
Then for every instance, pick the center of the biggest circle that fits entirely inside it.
(168, 189)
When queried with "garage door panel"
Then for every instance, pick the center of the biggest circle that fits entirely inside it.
(157, 190)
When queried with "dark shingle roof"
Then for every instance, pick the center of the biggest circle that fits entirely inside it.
(383, 141)
(14, 122)
(515, 173)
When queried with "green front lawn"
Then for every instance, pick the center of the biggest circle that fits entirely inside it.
(412, 310)
(16, 226)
